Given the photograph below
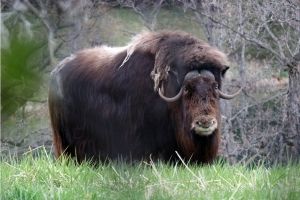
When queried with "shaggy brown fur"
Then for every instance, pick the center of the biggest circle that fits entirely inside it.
(103, 101)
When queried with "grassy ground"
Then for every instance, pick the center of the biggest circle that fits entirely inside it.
(44, 178)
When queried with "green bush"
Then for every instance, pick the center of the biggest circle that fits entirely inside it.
(21, 64)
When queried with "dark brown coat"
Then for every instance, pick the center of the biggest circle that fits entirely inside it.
(104, 102)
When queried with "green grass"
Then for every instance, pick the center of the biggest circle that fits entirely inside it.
(43, 177)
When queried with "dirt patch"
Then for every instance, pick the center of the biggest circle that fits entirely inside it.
(18, 147)
(28, 129)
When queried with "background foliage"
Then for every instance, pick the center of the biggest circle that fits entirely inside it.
(22, 56)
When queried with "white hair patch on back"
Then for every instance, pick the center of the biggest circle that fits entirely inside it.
(57, 77)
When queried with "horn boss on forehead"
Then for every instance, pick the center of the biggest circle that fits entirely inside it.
(149, 98)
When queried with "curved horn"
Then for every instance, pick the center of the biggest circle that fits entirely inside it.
(207, 73)
(189, 75)
(221, 94)
(170, 99)
(228, 96)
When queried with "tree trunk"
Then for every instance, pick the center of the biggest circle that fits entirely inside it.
(292, 124)
(228, 146)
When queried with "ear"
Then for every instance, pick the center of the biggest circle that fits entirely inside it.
(161, 68)
(224, 70)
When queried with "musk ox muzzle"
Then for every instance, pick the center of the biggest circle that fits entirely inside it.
(204, 125)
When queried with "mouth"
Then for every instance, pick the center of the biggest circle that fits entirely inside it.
(204, 131)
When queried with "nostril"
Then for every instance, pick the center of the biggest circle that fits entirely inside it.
(205, 123)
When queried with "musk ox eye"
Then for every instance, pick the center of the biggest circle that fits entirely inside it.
(185, 90)
(216, 87)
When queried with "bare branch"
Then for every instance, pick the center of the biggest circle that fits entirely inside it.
(147, 10)
(258, 103)
(275, 40)
(245, 36)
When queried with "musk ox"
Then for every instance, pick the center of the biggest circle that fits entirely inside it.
(154, 97)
